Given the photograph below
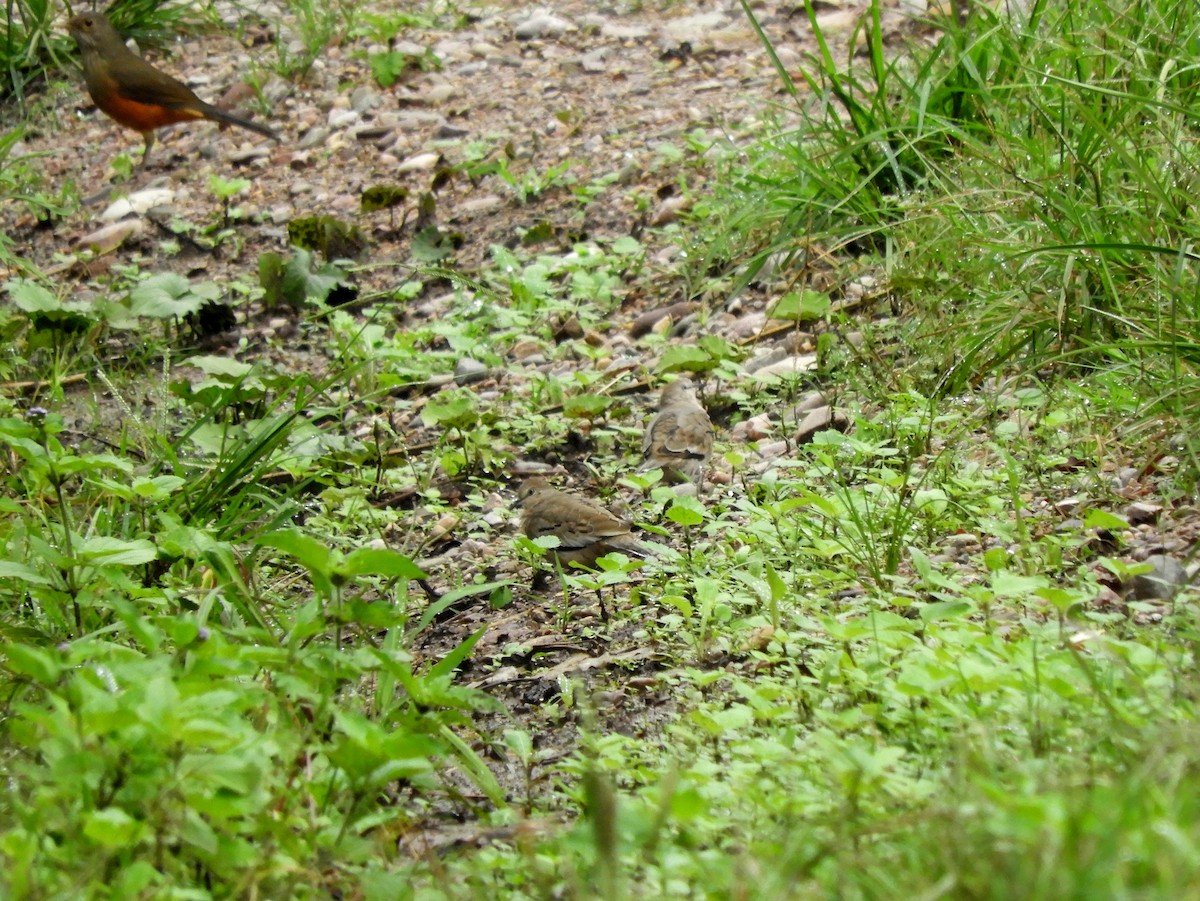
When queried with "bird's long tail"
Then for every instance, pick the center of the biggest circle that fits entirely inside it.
(219, 115)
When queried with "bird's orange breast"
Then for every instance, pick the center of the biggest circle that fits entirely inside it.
(143, 117)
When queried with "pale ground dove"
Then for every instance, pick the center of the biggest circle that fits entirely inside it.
(585, 530)
(679, 438)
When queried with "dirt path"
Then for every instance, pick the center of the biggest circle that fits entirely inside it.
(597, 92)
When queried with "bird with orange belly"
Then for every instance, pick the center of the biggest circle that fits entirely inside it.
(132, 92)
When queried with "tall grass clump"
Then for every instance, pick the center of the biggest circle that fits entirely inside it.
(34, 39)
(1026, 177)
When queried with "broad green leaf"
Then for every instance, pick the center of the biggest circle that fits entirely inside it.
(157, 488)
(104, 550)
(778, 588)
(1006, 583)
(451, 409)
(626, 246)
(30, 296)
(382, 562)
(942, 610)
(112, 827)
(313, 555)
(686, 511)
(221, 366)
(586, 406)
(683, 358)
(166, 295)
(10, 569)
(801, 306)
(37, 663)
(1102, 519)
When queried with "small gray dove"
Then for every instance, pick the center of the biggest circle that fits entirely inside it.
(679, 438)
(585, 530)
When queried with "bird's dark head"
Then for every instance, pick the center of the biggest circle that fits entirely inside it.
(92, 30)
(530, 487)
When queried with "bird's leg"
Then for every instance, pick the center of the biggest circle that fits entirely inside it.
(148, 137)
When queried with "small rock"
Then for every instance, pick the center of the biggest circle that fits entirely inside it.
(666, 326)
(617, 31)
(470, 70)
(669, 210)
(569, 329)
(448, 132)
(484, 50)
(1070, 505)
(450, 50)
(542, 24)
(416, 120)
(468, 370)
(748, 325)
(444, 527)
(764, 357)
(754, 429)
(1142, 512)
(1166, 577)
(481, 204)
(772, 450)
(594, 62)
(819, 420)
(110, 237)
(1124, 477)
(314, 137)
(373, 132)
(411, 49)
(645, 323)
(276, 89)
(341, 118)
(814, 400)
(839, 21)
(788, 58)
(440, 93)
(364, 98)
(422, 162)
(693, 30)
(248, 155)
(137, 203)
(523, 350)
(789, 367)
